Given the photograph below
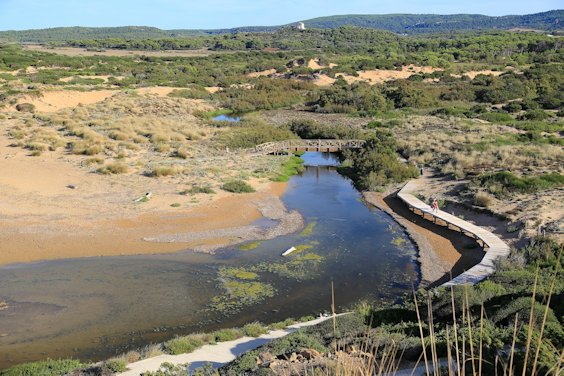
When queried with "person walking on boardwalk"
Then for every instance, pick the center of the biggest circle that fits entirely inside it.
(435, 205)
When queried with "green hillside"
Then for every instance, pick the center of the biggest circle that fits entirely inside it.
(426, 23)
(397, 23)
(58, 34)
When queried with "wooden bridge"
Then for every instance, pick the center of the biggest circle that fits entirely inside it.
(289, 146)
(493, 245)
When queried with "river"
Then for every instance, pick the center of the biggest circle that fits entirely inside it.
(94, 308)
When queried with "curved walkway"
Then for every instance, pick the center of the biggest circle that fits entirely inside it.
(217, 354)
(493, 245)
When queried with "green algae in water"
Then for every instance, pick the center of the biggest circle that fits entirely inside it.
(237, 273)
(249, 246)
(240, 289)
(309, 229)
(399, 242)
(302, 247)
(301, 268)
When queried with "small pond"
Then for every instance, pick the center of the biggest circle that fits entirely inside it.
(230, 118)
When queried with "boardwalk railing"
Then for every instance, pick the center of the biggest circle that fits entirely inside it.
(493, 245)
(307, 145)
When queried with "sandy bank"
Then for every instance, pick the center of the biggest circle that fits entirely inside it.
(43, 218)
(225, 221)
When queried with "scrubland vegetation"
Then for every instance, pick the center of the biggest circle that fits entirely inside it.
(488, 115)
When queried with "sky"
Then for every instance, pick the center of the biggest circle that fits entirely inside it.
(212, 14)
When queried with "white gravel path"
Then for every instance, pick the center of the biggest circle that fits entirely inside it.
(216, 354)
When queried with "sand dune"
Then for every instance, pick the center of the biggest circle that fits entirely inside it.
(377, 76)
(52, 101)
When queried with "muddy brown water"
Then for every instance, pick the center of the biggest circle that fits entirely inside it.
(94, 308)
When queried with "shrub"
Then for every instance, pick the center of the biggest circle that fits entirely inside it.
(194, 92)
(376, 164)
(237, 186)
(503, 183)
(282, 324)
(113, 168)
(534, 115)
(224, 335)
(164, 171)
(183, 345)
(496, 117)
(512, 107)
(25, 107)
(482, 199)
(198, 189)
(254, 329)
(182, 153)
(310, 129)
(45, 368)
(114, 366)
(251, 134)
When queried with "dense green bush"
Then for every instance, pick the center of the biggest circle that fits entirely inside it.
(496, 117)
(534, 115)
(505, 182)
(193, 92)
(356, 98)
(250, 134)
(44, 368)
(254, 329)
(311, 129)
(114, 366)
(196, 189)
(224, 335)
(237, 186)
(376, 164)
(183, 345)
(264, 94)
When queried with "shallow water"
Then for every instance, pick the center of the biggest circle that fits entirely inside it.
(97, 307)
(233, 119)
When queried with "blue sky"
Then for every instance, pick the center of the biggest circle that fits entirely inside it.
(196, 14)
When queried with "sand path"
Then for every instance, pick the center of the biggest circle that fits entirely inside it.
(217, 354)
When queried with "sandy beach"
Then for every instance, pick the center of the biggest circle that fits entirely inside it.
(42, 217)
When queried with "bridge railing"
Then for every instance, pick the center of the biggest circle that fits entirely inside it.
(308, 145)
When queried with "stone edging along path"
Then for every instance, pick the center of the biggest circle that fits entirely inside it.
(217, 354)
(493, 245)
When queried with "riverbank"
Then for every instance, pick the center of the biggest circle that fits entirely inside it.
(442, 252)
(220, 222)
(53, 208)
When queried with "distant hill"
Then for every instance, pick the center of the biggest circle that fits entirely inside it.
(397, 23)
(58, 34)
(430, 23)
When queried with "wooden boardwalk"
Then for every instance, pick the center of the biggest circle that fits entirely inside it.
(493, 245)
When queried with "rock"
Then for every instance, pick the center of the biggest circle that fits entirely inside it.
(310, 354)
(265, 357)
(72, 186)
(293, 358)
